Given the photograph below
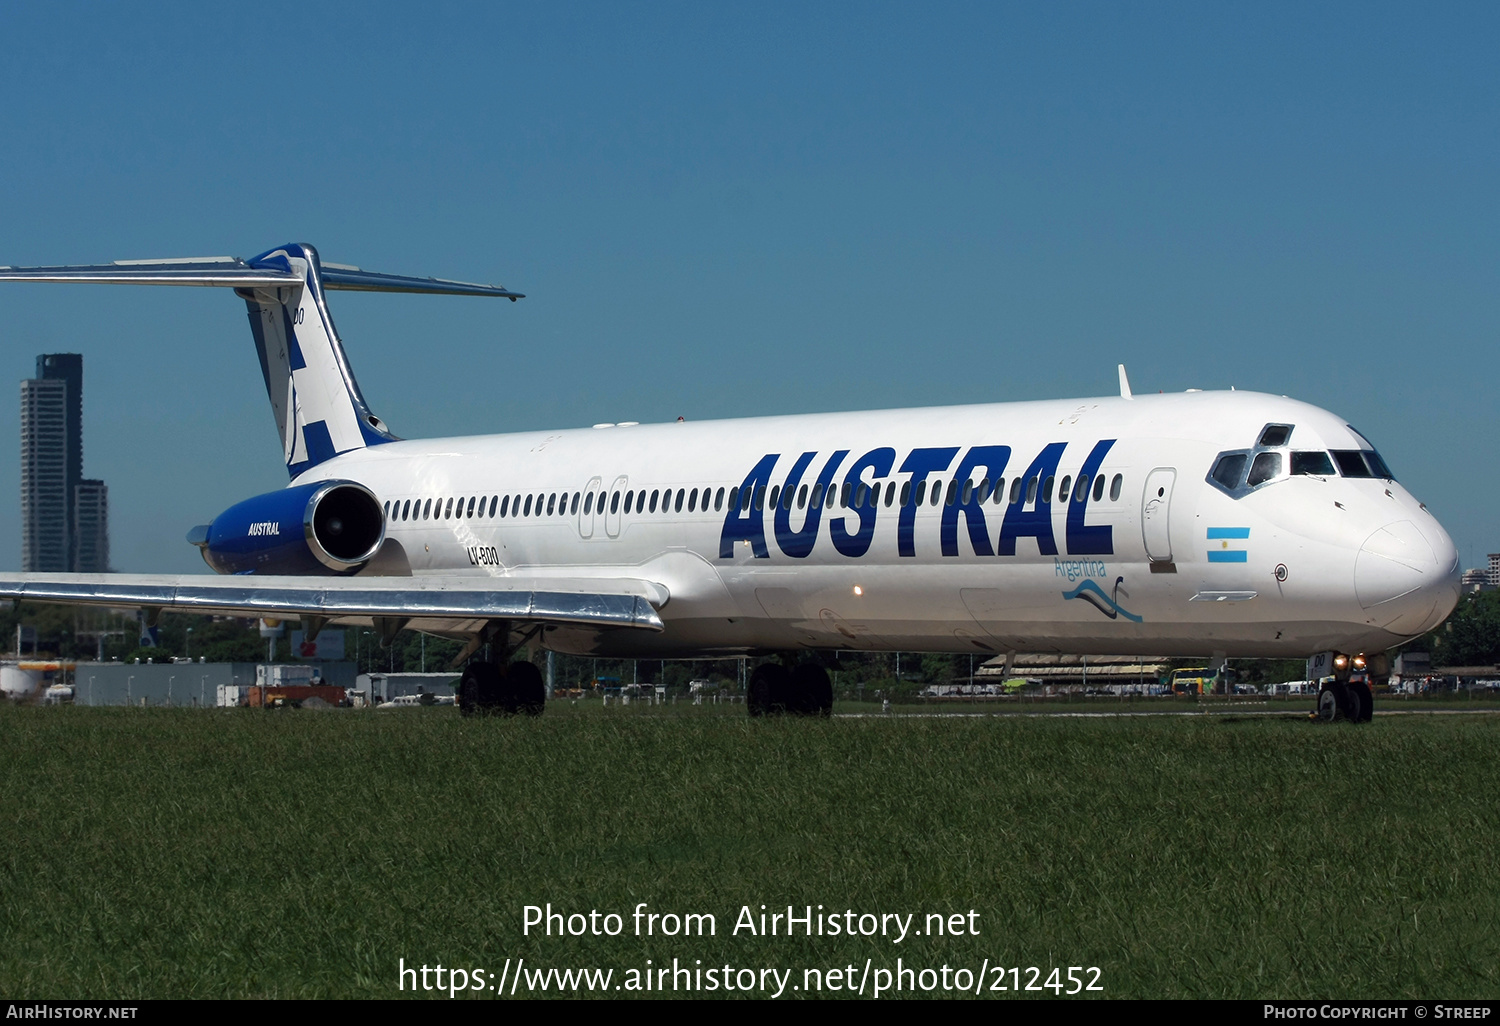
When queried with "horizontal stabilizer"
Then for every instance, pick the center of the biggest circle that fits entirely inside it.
(232, 272)
(453, 600)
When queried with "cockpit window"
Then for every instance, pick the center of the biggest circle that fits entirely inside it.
(1230, 469)
(1352, 463)
(1267, 467)
(1315, 463)
(1377, 465)
(1275, 435)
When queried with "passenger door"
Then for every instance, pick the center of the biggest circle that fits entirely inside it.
(586, 510)
(1156, 507)
(612, 512)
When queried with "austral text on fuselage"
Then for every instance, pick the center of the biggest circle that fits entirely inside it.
(1027, 514)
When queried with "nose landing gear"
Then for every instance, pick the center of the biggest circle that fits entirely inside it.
(1346, 692)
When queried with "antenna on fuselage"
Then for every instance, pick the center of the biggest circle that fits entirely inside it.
(1124, 384)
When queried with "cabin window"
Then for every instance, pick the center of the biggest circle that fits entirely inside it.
(693, 501)
(775, 495)
(982, 492)
(448, 513)
(576, 497)
(528, 505)
(406, 509)
(1267, 467)
(1063, 488)
(1015, 491)
(614, 503)
(551, 504)
(681, 494)
(1275, 435)
(472, 500)
(1114, 487)
(817, 496)
(1230, 469)
(588, 504)
(1047, 490)
(630, 501)
(999, 495)
(890, 494)
(952, 492)
(733, 498)
(1081, 489)
(387, 508)
(921, 493)
(718, 500)
(968, 495)
(905, 493)
(504, 507)
(802, 497)
(860, 493)
(1098, 487)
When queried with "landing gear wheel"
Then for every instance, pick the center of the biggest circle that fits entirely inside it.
(811, 690)
(1361, 703)
(1331, 703)
(479, 690)
(525, 691)
(768, 690)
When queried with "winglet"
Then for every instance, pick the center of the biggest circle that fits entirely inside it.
(1124, 384)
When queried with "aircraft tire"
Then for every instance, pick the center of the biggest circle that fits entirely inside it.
(1331, 703)
(1361, 703)
(811, 691)
(479, 689)
(768, 691)
(525, 692)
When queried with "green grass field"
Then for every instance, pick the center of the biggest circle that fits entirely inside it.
(186, 853)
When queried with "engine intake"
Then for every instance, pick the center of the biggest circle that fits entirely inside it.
(327, 527)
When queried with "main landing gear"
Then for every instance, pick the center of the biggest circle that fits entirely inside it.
(804, 691)
(489, 689)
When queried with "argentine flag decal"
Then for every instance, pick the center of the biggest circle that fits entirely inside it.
(1223, 551)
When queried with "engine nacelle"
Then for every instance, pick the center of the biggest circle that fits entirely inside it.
(328, 527)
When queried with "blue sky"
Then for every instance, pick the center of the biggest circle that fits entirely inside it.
(726, 211)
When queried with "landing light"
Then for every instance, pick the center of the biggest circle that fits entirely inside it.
(858, 590)
(1359, 662)
(1340, 662)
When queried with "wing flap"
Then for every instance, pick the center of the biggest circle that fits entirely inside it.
(582, 602)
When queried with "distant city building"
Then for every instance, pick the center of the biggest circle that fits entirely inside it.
(44, 476)
(91, 527)
(1494, 571)
(1477, 579)
(64, 519)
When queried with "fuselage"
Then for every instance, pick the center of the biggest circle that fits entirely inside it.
(1106, 525)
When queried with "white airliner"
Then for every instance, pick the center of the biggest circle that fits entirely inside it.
(1222, 523)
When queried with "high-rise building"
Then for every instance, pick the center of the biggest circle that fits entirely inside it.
(45, 521)
(91, 527)
(65, 523)
(1494, 570)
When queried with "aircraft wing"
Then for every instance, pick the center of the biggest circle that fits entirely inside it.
(426, 603)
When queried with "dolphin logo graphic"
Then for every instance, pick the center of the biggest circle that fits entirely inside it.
(1106, 604)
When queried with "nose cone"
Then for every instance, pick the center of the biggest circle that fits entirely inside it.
(1407, 577)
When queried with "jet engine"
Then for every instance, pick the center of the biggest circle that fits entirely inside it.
(327, 527)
